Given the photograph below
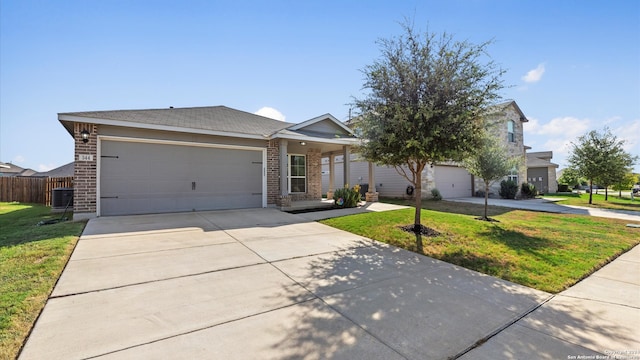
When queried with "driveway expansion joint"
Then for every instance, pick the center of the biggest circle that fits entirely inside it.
(153, 281)
(502, 328)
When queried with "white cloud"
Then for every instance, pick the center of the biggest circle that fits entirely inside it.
(532, 126)
(558, 146)
(555, 135)
(566, 127)
(534, 75)
(270, 113)
(46, 167)
(612, 120)
(630, 133)
(19, 159)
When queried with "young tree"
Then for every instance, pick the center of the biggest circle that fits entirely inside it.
(626, 183)
(614, 171)
(491, 163)
(596, 155)
(426, 95)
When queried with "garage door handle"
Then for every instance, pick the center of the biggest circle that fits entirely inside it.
(193, 185)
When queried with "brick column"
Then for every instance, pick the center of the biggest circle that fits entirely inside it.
(314, 174)
(85, 172)
(284, 199)
(273, 172)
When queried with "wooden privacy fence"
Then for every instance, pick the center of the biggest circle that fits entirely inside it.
(31, 189)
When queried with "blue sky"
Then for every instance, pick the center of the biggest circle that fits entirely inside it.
(572, 66)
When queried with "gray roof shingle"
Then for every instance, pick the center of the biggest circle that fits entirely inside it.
(210, 118)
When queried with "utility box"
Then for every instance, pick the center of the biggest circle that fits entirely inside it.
(61, 198)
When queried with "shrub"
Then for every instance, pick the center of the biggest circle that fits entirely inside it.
(508, 189)
(528, 191)
(435, 194)
(346, 197)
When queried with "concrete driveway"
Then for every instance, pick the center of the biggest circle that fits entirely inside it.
(263, 284)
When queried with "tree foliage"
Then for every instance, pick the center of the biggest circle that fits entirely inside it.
(426, 93)
(626, 182)
(571, 177)
(601, 158)
(490, 162)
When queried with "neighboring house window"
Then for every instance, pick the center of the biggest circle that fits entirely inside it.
(510, 134)
(513, 175)
(297, 173)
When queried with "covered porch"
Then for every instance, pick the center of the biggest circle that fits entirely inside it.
(295, 162)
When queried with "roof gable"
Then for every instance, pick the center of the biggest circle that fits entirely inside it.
(515, 106)
(325, 124)
(498, 110)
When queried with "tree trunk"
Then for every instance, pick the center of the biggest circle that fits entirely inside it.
(606, 194)
(418, 194)
(419, 246)
(590, 192)
(486, 199)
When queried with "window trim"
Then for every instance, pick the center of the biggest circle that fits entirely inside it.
(511, 135)
(289, 176)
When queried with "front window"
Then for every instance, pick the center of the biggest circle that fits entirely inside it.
(297, 174)
(513, 175)
(510, 134)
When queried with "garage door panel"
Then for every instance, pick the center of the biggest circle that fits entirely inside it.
(138, 178)
(452, 182)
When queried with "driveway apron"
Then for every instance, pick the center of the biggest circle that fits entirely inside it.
(261, 283)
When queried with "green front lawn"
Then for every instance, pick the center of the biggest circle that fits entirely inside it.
(31, 260)
(545, 251)
(614, 202)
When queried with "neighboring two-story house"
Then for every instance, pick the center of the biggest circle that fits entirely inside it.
(449, 178)
(541, 172)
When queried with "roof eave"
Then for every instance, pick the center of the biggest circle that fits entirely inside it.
(338, 141)
(68, 119)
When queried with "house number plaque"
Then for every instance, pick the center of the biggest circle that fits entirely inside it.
(85, 157)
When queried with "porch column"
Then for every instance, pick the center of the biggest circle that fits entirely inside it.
(371, 195)
(284, 199)
(332, 180)
(346, 163)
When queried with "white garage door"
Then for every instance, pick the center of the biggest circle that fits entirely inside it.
(142, 178)
(453, 182)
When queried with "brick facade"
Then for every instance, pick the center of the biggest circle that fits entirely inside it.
(273, 172)
(85, 171)
(314, 177)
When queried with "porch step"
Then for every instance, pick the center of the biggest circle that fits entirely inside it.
(310, 205)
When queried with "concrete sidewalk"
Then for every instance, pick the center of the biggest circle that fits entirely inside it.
(596, 318)
(552, 207)
(261, 283)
